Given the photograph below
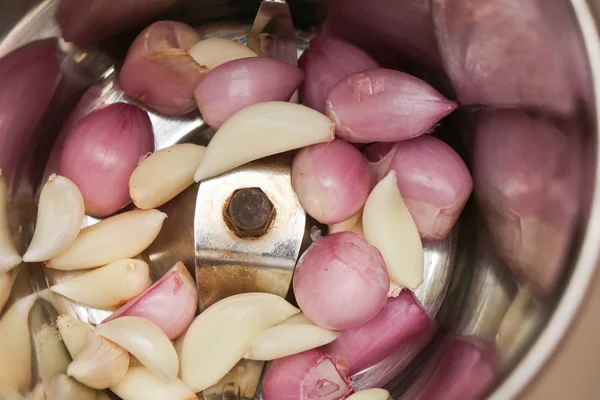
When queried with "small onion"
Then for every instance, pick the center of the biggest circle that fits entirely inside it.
(333, 273)
(158, 69)
(331, 180)
(308, 375)
(102, 151)
(326, 62)
(84, 20)
(240, 83)
(400, 322)
(384, 105)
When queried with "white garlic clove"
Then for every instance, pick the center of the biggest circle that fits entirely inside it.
(15, 345)
(53, 356)
(298, 319)
(38, 393)
(388, 226)
(141, 384)
(164, 174)
(219, 337)
(100, 365)
(60, 217)
(213, 52)
(261, 130)
(107, 287)
(102, 395)
(146, 342)
(286, 340)
(7, 393)
(395, 289)
(61, 387)
(6, 281)
(122, 236)
(9, 257)
(346, 225)
(75, 334)
(371, 394)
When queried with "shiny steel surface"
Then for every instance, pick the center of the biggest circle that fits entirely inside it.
(272, 33)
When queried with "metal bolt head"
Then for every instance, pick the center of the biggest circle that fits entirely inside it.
(249, 212)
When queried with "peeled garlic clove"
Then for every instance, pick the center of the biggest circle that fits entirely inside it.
(59, 220)
(15, 345)
(107, 287)
(38, 393)
(141, 384)
(11, 394)
(261, 130)
(74, 333)
(61, 387)
(9, 257)
(6, 281)
(165, 174)
(395, 289)
(52, 354)
(213, 52)
(345, 225)
(371, 394)
(218, 338)
(122, 236)
(389, 227)
(100, 365)
(146, 342)
(288, 339)
(298, 319)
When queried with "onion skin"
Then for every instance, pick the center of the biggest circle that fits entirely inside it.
(397, 324)
(87, 20)
(434, 181)
(326, 62)
(308, 375)
(333, 273)
(170, 303)
(527, 176)
(331, 180)
(466, 370)
(158, 69)
(237, 84)
(102, 151)
(383, 105)
(33, 68)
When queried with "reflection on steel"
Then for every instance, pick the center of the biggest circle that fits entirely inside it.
(272, 33)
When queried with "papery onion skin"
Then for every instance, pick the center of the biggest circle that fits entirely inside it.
(379, 156)
(240, 83)
(308, 375)
(159, 71)
(383, 105)
(331, 180)
(102, 151)
(434, 181)
(334, 272)
(31, 69)
(398, 323)
(87, 20)
(326, 62)
(170, 303)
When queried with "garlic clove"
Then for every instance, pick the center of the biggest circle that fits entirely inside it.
(60, 217)
(53, 356)
(6, 281)
(107, 287)
(213, 52)
(102, 395)
(122, 236)
(75, 334)
(395, 289)
(141, 384)
(146, 342)
(7, 393)
(371, 394)
(164, 174)
(261, 130)
(9, 257)
(345, 225)
(100, 365)
(38, 393)
(219, 337)
(288, 339)
(298, 319)
(61, 387)
(389, 227)
(15, 345)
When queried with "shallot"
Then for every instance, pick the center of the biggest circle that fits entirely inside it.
(326, 62)
(308, 375)
(60, 216)
(141, 384)
(213, 52)
(158, 69)
(102, 151)
(331, 180)
(107, 287)
(334, 272)
(121, 236)
(170, 303)
(237, 84)
(9, 257)
(261, 130)
(383, 105)
(379, 156)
